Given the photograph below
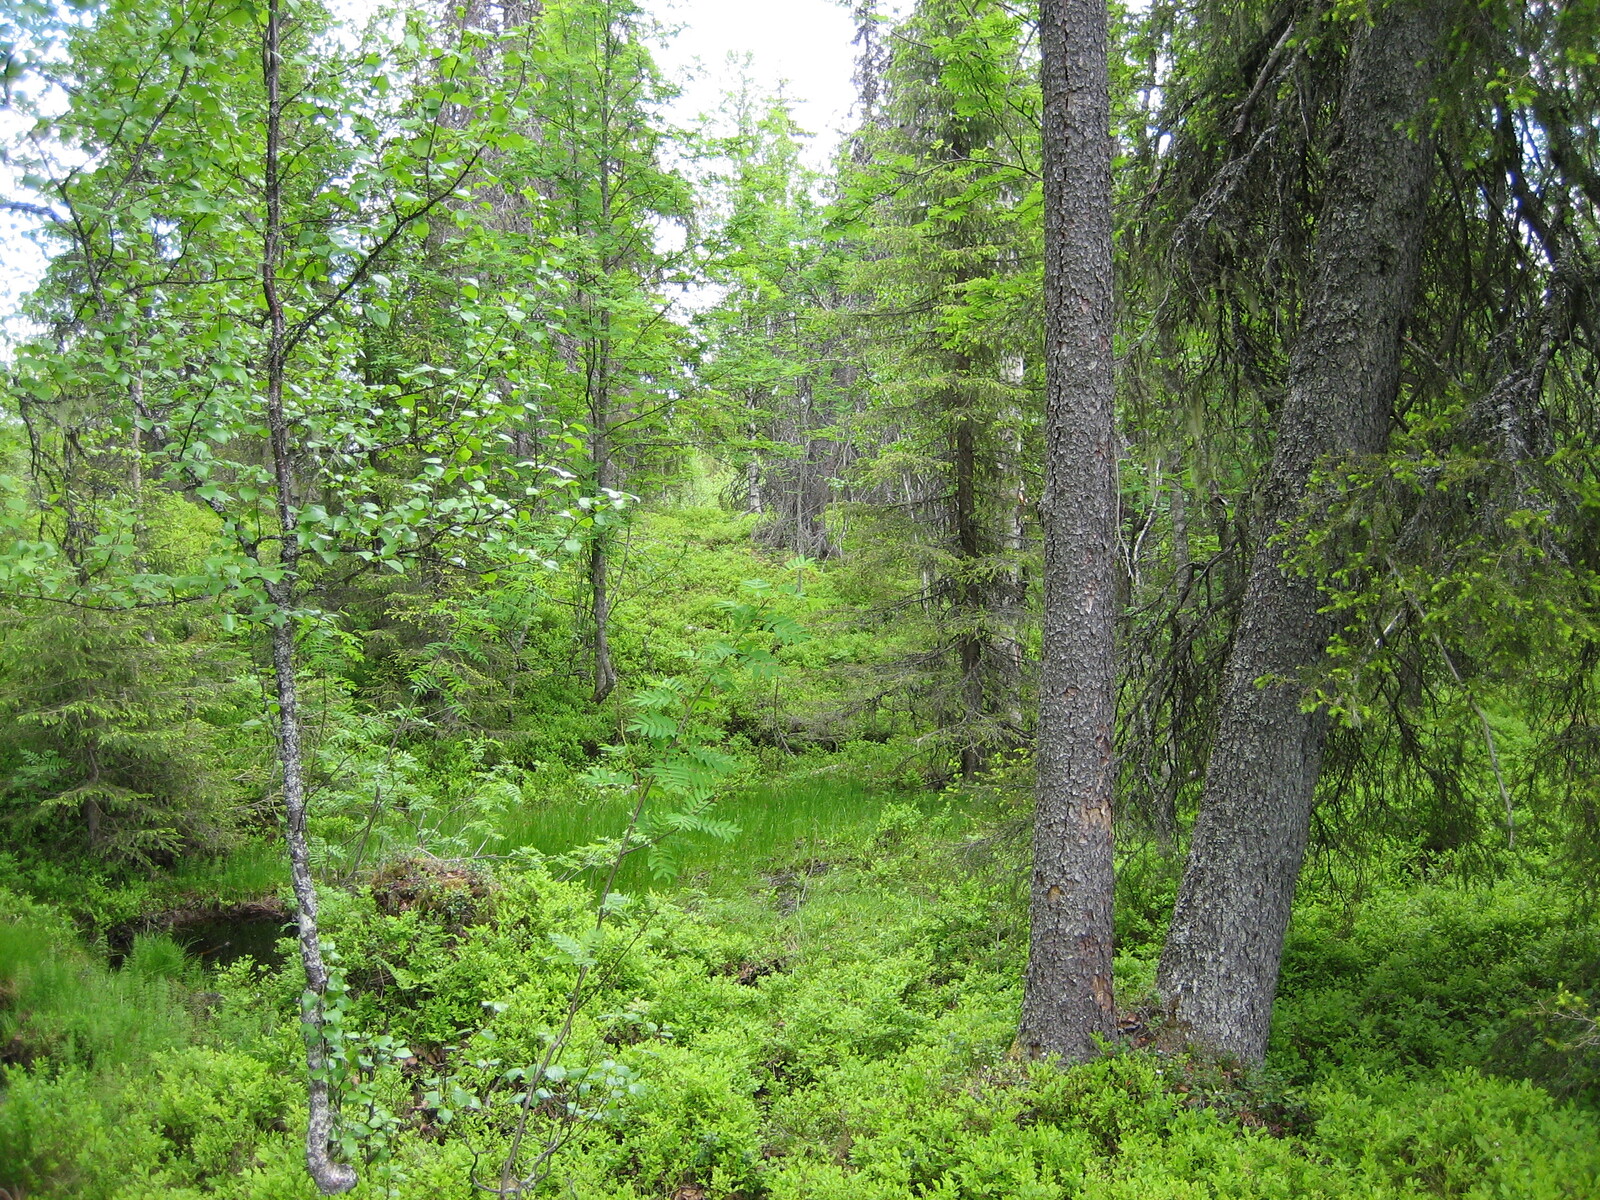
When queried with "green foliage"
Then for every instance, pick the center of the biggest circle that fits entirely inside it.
(376, 801)
(103, 1151)
(59, 1005)
(155, 956)
(800, 977)
(194, 1122)
(1459, 1134)
(214, 1108)
(169, 389)
(115, 733)
(942, 203)
(1429, 976)
(838, 1023)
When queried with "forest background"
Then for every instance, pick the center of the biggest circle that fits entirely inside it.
(648, 689)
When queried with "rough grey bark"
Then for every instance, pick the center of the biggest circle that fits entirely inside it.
(1219, 969)
(329, 1176)
(1068, 999)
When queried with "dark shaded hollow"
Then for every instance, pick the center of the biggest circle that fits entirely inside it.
(216, 935)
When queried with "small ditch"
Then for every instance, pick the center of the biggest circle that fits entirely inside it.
(216, 935)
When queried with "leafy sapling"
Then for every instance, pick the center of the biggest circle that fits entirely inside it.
(220, 352)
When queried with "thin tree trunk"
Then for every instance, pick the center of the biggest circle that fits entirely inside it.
(1180, 520)
(605, 674)
(752, 472)
(600, 382)
(137, 413)
(811, 490)
(1219, 969)
(970, 615)
(90, 811)
(329, 1176)
(1012, 589)
(1067, 1001)
(972, 594)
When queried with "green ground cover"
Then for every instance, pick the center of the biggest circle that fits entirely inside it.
(822, 1008)
(774, 821)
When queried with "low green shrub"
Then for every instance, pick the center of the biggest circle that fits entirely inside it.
(1424, 977)
(70, 1133)
(215, 1108)
(819, 1025)
(1458, 1133)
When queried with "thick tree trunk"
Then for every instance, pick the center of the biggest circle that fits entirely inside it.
(1219, 969)
(1068, 999)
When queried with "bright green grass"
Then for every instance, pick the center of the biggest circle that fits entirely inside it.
(780, 823)
(786, 822)
(253, 870)
(60, 1000)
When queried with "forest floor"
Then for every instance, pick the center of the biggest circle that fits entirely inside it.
(824, 1008)
(820, 1007)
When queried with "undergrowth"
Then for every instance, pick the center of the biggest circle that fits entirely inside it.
(822, 1007)
(832, 1019)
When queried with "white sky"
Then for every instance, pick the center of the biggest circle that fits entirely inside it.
(802, 47)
